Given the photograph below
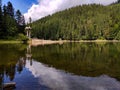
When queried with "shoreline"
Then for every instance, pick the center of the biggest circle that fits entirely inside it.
(36, 42)
(9, 41)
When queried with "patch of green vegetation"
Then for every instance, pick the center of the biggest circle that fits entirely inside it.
(9, 41)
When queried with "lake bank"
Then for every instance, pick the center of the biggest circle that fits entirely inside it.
(36, 42)
(9, 41)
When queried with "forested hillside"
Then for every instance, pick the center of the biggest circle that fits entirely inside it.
(12, 23)
(86, 22)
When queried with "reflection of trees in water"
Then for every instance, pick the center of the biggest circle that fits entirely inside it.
(1, 78)
(21, 64)
(8, 69)
(87, 59)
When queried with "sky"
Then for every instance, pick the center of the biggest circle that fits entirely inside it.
(22, 5)
(37, 9)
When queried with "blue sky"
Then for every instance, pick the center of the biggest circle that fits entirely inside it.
(23, 5)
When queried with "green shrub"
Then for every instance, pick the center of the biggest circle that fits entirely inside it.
(118, 36)
(22, 37)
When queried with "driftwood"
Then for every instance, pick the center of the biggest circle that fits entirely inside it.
(9, 85)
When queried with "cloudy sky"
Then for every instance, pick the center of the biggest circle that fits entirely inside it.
(37, 9)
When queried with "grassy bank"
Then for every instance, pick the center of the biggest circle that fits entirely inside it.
(9, 41)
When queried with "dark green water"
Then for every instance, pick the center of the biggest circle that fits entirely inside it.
(70, 66)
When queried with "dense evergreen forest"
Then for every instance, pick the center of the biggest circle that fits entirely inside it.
(85, 22)
(12, 23)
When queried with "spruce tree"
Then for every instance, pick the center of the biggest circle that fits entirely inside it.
(5, 19)
(118, 1)
(4, 10)
(10, 9)
(18, 16)
(20, 21)
(1, 21)
(0, 12)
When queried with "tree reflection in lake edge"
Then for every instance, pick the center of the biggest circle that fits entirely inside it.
(87, 59)
(10, 61)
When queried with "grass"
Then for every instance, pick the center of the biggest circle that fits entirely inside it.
(9, 41)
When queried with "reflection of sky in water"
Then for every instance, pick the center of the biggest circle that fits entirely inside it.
(59, 80)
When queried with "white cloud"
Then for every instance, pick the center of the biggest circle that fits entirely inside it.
(48, 7)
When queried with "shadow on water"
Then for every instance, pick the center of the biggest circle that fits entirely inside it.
(90, 66)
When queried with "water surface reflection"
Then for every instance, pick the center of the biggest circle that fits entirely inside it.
(86, 59)
(71, 66)
(59, 80)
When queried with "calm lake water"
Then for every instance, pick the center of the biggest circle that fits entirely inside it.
(69, 66)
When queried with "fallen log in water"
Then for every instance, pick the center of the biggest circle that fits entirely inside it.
(9, 85)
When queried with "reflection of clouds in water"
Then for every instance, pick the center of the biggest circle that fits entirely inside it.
(50, 77)
(58, 80)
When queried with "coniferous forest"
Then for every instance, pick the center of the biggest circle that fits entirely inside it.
(12, 23)
(85, 22)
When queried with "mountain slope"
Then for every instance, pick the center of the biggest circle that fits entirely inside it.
(86, 22)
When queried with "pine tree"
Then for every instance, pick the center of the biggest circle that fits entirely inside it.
(0, 12)
(18, 16)
(4, 10)
(5, 19)
(1, 21)
(20, 21)
(22, 24)
(10, 9)
(118, 1)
